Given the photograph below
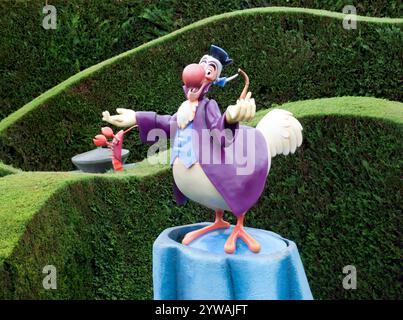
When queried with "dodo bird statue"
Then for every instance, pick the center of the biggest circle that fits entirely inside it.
(217, 162)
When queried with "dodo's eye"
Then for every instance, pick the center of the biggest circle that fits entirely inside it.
(211, 67)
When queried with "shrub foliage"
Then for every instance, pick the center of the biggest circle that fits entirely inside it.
(337, 198)
(33, 60)
(288, 54)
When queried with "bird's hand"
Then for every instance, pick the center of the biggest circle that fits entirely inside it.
(244, 110)
(124, 118)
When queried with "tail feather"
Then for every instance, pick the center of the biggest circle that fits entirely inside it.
(282, 132)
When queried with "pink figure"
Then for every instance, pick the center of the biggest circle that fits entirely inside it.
(115, 146)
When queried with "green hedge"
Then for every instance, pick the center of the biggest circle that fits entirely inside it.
(6, 170)
(338, 198)
(290, 54)
(33, 60)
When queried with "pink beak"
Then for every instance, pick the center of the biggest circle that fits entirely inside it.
(193, 76)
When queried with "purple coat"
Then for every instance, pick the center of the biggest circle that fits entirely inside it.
(240, 191)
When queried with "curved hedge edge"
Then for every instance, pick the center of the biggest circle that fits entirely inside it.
(23, 194)
(9, 120)
(7, 169)
(343, 106)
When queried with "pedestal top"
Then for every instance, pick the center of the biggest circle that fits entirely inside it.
(214, 242)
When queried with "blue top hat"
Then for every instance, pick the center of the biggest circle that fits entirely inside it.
(220, 54)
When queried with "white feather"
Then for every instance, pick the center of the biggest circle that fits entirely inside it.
(282, 132)
(185, 114)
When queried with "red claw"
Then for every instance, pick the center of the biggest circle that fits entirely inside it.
(115, 146)
(100, 140)
(107, 132)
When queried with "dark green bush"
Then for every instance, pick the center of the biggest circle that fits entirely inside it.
(338, 198)
(289, 55)
(33, 60)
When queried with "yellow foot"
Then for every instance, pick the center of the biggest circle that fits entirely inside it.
(193, 235)
(240, 232)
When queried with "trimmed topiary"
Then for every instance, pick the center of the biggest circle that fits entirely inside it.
(295, 54)
(33, 59)
(6, 170)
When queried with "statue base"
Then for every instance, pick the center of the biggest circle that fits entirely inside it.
(203, 271)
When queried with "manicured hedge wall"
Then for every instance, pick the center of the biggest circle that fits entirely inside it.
(6, 170)
(33, 60)
(338, 198)
(289, 55)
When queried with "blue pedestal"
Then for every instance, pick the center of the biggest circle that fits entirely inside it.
(204, 271)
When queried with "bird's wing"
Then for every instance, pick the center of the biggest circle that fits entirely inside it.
(282, 132)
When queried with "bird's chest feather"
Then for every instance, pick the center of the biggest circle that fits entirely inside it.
(186, 113)
(196, 186)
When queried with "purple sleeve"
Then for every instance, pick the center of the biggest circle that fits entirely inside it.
(148, 121)
(222, 132)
